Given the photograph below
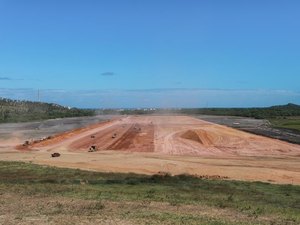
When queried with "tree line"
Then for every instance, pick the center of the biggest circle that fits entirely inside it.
(23, 111)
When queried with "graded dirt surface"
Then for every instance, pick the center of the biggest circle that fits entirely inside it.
(173, 144)
(256, 126)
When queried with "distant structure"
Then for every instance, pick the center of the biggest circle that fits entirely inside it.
(38, 95)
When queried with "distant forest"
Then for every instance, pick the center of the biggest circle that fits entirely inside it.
(23, 111)
(258, 113)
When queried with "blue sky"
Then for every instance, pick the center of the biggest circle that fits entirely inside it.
(151, 53)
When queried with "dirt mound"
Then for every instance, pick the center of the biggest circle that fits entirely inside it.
(200, 136)
(191, 135)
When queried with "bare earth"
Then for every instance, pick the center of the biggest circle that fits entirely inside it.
(174, 144)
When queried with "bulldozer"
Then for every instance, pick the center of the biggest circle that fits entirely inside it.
(93, 148)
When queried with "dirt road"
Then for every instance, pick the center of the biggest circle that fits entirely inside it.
(175, 144)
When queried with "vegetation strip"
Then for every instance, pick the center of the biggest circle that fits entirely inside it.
(157, 199)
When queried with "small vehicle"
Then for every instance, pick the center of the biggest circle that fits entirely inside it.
(55, 154)
(93, 148)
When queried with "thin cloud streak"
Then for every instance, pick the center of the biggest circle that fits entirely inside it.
(5, 78)
(108, 74)
(16, 79)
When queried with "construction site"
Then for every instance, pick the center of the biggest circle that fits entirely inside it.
(159, 144)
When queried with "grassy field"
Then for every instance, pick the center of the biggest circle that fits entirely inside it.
(33, 194)
(287, 122)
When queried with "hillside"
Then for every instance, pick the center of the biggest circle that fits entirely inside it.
(23, 111)
(258, 113)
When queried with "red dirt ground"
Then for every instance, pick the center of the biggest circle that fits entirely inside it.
(175, 144)
(129, 137)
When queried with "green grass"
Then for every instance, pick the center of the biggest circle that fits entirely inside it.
(287, 122)
(262, 203)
